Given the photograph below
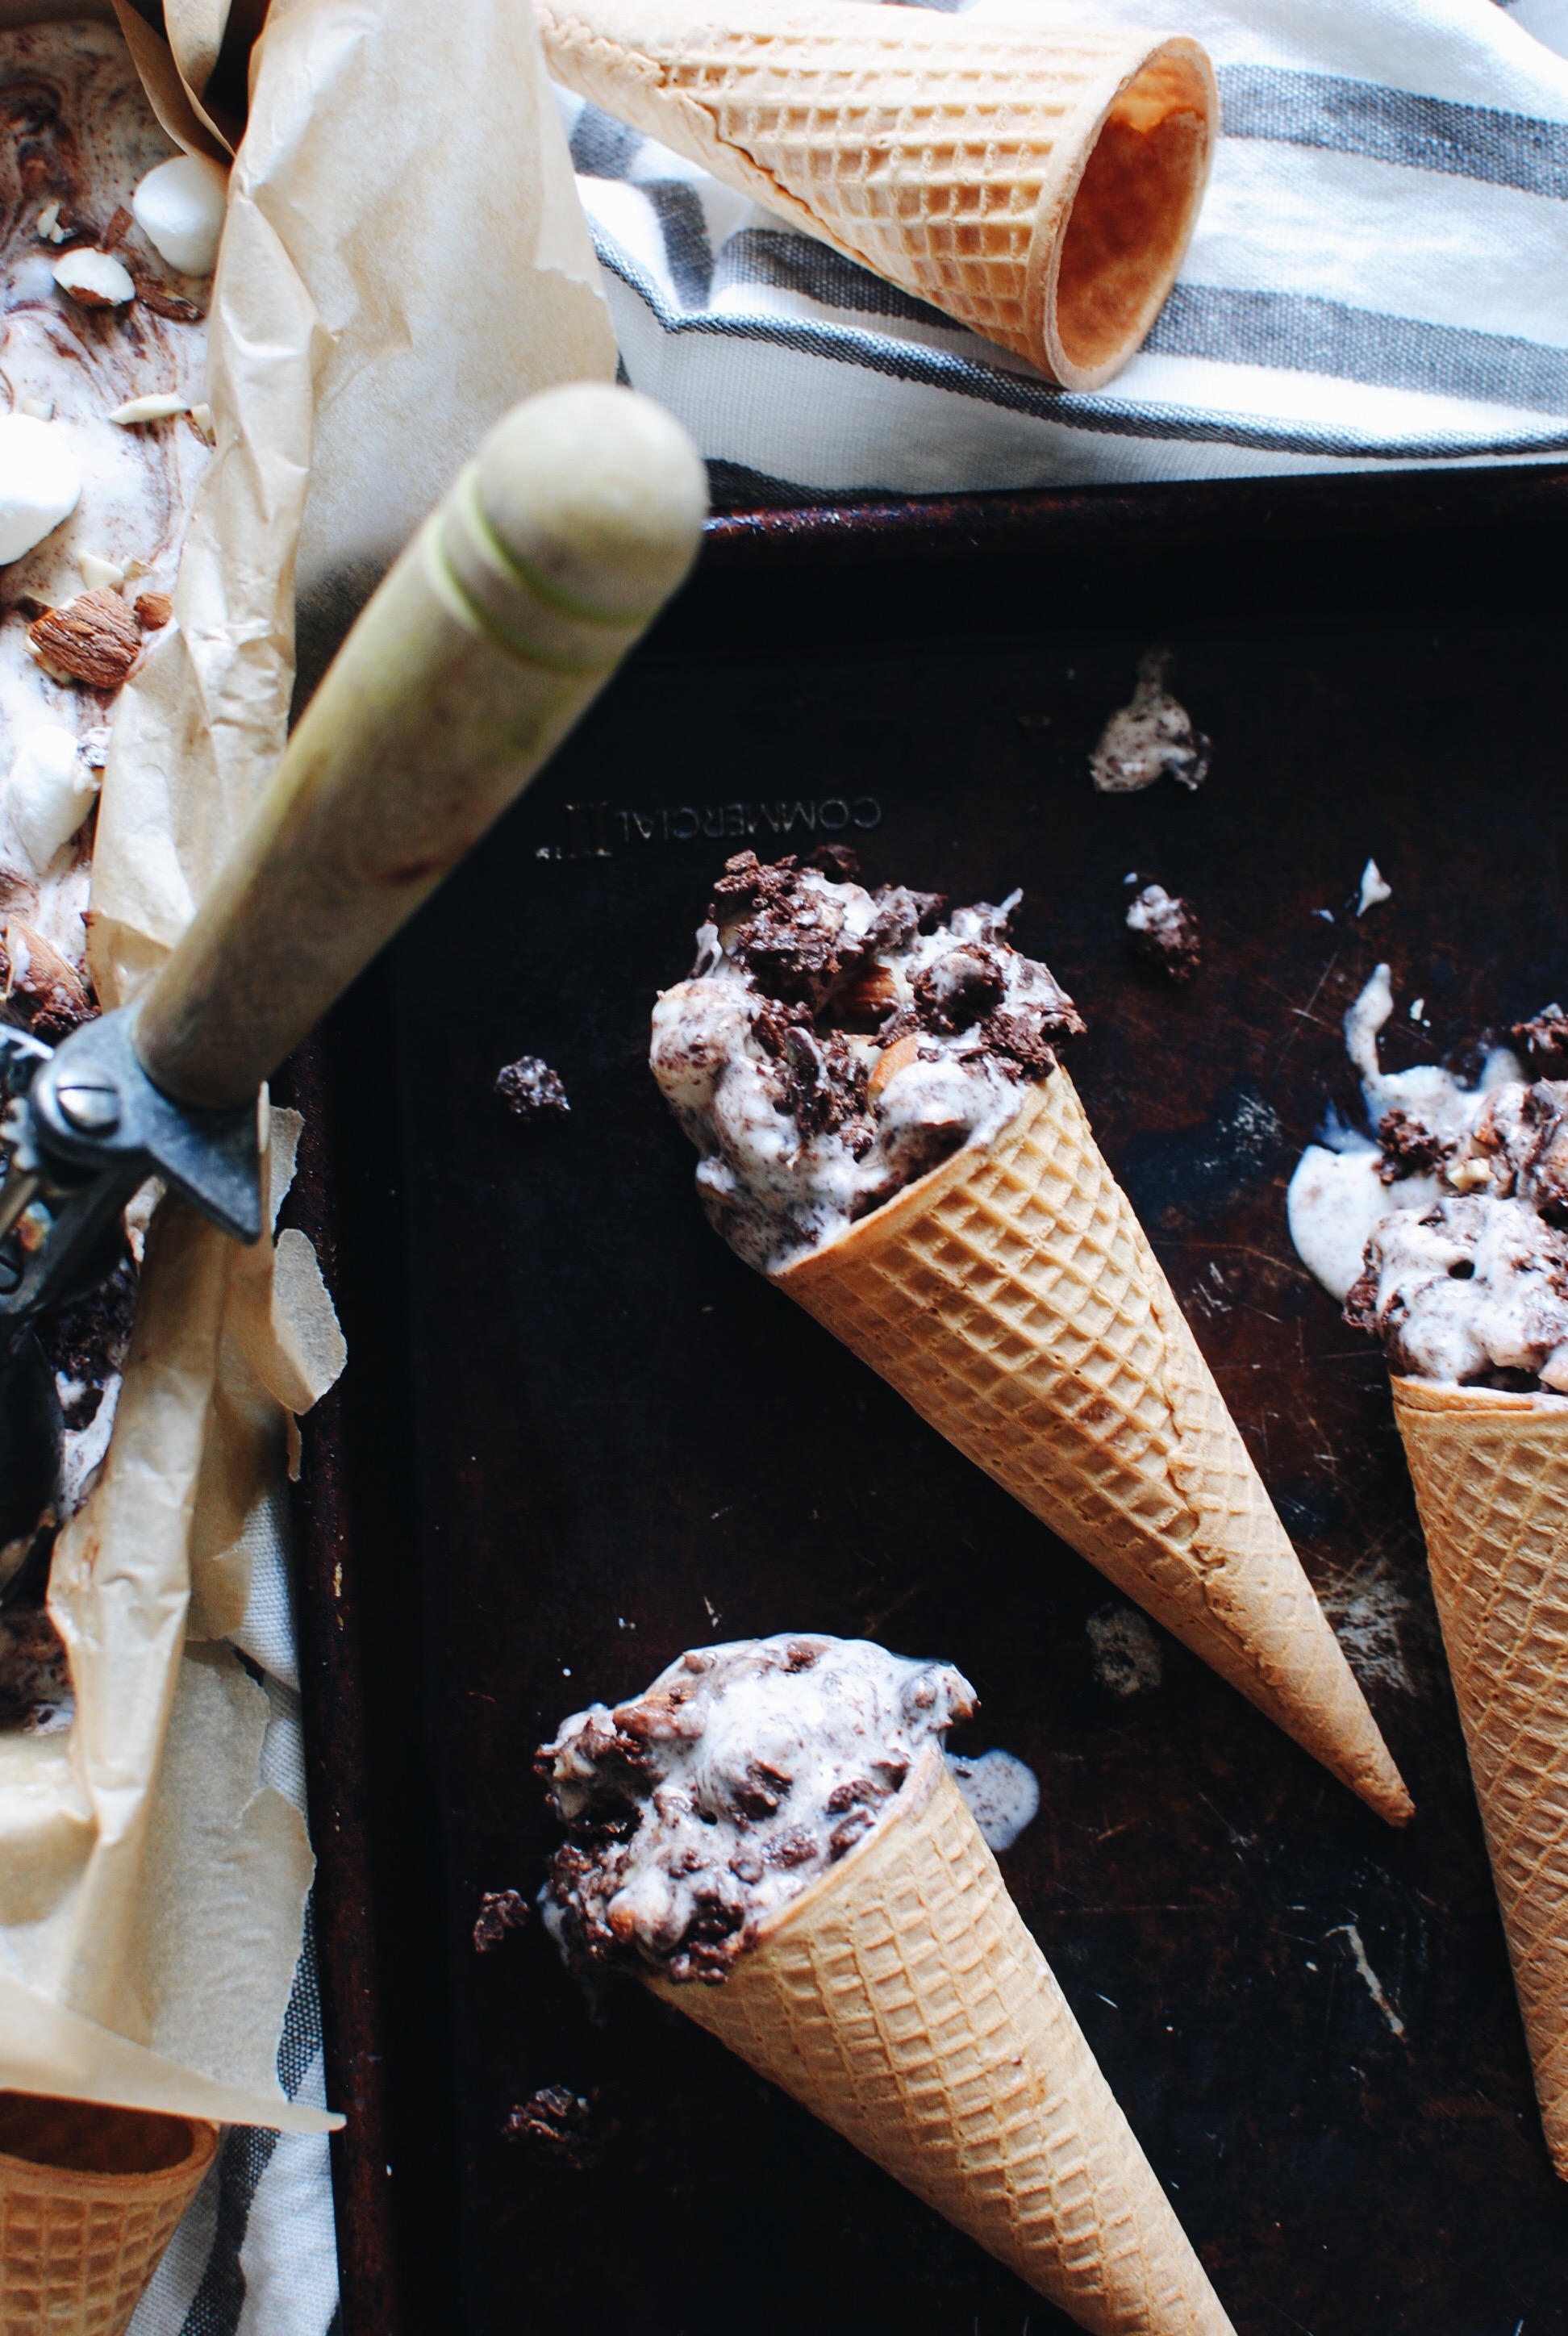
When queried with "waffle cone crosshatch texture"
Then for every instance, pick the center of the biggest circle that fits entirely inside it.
(1038, 185)
(903, 2000)
(1012, 1297)
(1491, 1478)
(90, 2198)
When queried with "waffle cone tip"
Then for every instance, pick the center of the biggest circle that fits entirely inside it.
(1012, 1298)
(902, 2000)
(1490, 1473)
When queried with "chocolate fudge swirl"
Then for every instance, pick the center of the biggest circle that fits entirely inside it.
(833, 1044)
(709, 1802)
(1447, 1237)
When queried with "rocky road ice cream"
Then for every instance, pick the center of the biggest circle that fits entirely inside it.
(709, 1802)
(1447, 1237)
(833, 1044)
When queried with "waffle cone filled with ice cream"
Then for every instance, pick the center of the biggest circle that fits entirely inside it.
(89, 2200)
(771, 1838)
(1490, 1471)
(886, 1131)
(1039, 184)
(1011, 1296)
(903, 2000)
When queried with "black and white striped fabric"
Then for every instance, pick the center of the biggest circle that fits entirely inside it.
(256, 2254)
(1379, 276)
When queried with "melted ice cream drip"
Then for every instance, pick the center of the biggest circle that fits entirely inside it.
(709, 1802)
(831, 1044)
(1449, 1237)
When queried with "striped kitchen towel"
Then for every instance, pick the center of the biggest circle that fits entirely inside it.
(1379, 276)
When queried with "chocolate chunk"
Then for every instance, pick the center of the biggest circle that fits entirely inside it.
(1409, 1148)
(901, 914)
(763, 1792)
(86, 1342)
(959, 988)
(844, 1836)
(841, 861)
(790, 1849)
(825, 1084)
(93, 639)
(559, 2126)
(530, 1089)
(34, 1675)
(500, 1910)
(1544, 1039)
(789, 934)
(1361, 1309)
(1163, 931)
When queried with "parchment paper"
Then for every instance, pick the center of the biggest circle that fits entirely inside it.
(404, 258)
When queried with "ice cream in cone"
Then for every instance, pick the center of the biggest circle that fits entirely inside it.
(1446, 1241)
(88, 2199)
(803, 1847)
(1039, 183)
(887, 1134)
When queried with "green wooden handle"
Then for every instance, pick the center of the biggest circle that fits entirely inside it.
(502, 619)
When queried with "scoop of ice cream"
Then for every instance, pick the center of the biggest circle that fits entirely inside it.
(180, 207)
(40, 482)
(698, 1809)
(1447, 1236)
(833, 1044)
(49, 792)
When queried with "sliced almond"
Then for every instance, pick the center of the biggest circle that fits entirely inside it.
(93, 639)
(891, 1062)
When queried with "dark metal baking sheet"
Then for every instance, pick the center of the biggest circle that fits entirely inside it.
(577, 1436)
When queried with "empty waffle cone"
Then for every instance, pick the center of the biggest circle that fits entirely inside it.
(902, 2000)
(1012, 1297)
(89, 2200)
(1491, 1477)
(1038, 183)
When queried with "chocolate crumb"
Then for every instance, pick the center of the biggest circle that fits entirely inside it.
(559, 2126)
(530, 1089)
(500, 1910)
(1544, 1039)
(1409, 1148)
(1163, 932)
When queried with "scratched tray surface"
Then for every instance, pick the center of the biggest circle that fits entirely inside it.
(628, 1444)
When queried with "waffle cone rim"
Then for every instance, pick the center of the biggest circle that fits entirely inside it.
(67, 2181)
(887, 1223)
(1448, 1399)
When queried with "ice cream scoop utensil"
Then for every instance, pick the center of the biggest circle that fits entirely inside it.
(495, 629)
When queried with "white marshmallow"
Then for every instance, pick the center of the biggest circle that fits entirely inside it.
(49, 792)
(180, 207)
(96, 278)
(40, 482)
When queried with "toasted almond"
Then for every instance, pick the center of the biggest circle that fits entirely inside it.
(93, 639)
(153, 610)
(891, 1062)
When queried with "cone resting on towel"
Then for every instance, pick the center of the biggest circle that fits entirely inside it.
(1038, 183)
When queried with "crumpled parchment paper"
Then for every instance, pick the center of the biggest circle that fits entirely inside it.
(404, 258)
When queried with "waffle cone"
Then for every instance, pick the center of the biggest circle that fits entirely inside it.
(1011, 1297)
(1491, 1478)
(1038, 183)
(88, 2199)
(902, 2000)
